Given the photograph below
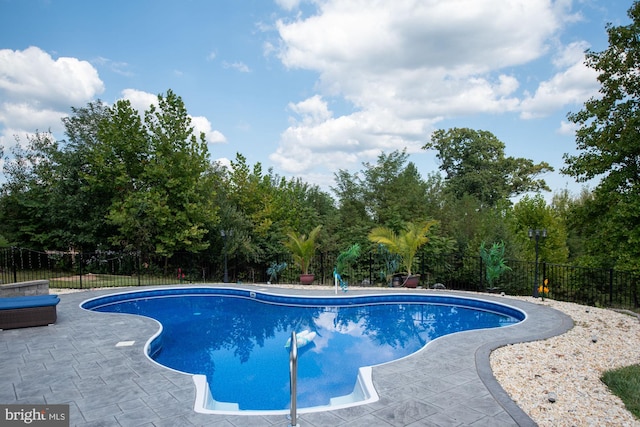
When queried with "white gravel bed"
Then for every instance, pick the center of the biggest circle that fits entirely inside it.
(570, 367)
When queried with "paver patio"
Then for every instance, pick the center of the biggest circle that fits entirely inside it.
(76, 362)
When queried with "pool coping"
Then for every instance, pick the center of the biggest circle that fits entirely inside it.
(449, 382)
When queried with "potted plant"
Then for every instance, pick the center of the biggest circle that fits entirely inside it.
(405, 244)
(303, 248)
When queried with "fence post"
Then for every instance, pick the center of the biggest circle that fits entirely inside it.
(481, 276)
(81, 262)
(13, 264)
(139, 262)
(610, 286)
(370, 268)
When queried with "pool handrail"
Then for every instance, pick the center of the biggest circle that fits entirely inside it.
(293, 378)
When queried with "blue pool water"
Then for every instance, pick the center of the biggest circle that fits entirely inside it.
(236, 338)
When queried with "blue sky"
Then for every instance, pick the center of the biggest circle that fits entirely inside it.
(311, 87)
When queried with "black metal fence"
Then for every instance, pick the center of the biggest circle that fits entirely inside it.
(589, 286)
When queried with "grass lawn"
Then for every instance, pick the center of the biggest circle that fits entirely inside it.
(66, 279)
(625, 383)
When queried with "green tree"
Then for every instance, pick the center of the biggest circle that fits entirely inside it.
(262, 207)
(569, 209)
(163, 199)
(352, 214)
(389, 193)
(52, 176)
(82, 203)
(394, 190)
(534, 213)
(27, 217)
(609, 149)
(474, 163)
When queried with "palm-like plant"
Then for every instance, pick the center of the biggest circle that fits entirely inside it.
(302, 247)
(343, 261)
(494, 262)
(406, 243)
(347, 257)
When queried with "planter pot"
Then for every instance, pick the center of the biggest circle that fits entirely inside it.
(411, 281)
(306, 279)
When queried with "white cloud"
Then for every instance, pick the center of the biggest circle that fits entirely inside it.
(202, 124)
(571, 54)
(27, 116)
(239, 66)
(37, 90)
(10, 137)
(313, 110)
(288, 4)
(405, 65)
(223, 162)
(572, 85)
(116, 67)
(456, 35)
(567, 128)
(316, 138)
(33, 74)
(140, 100)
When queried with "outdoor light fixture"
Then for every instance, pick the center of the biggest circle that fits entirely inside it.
(534, 233)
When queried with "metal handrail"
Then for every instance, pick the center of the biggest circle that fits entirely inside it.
(293, 378)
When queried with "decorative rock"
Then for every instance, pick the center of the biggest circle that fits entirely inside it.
(552, 397)
(586, 401)
(438, 286)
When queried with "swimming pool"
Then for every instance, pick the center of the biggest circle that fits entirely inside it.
(233, 340)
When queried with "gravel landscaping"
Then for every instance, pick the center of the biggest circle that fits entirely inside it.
(557, 381)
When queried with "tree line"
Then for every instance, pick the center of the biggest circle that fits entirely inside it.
(144, 181)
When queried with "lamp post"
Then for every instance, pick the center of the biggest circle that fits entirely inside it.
(537, 234)
(225, 234)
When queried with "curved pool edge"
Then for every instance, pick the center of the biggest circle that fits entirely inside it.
(542, 322)
(265, 296)
(364, 384)
(563, 324)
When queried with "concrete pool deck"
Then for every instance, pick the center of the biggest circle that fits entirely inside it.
(76, 362)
